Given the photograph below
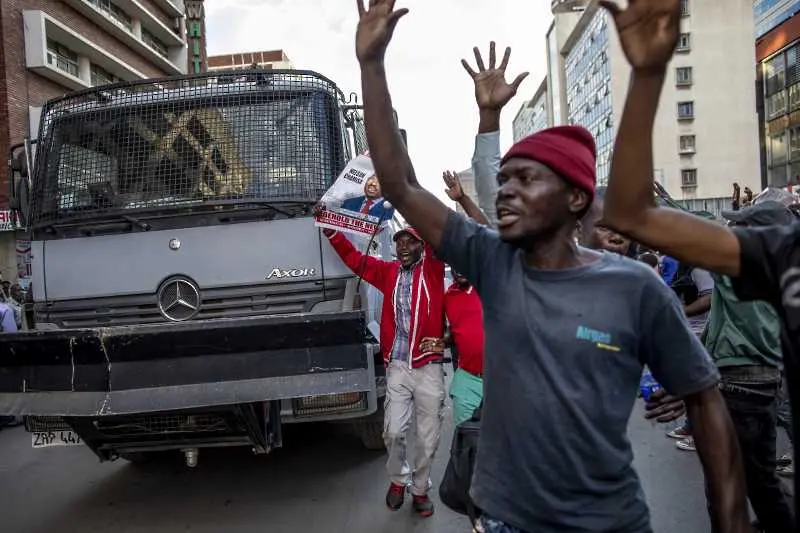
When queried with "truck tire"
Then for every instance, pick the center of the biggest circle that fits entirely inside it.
(370, 431)
(371, 435)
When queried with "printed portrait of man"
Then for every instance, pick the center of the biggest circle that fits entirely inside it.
(371, 203)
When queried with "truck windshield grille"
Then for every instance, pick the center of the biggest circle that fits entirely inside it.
(261, 136)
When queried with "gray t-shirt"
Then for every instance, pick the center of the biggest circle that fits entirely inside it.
(704, 282)
(564, 356)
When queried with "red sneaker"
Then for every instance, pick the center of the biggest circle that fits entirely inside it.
(395, 496)
(423, 505)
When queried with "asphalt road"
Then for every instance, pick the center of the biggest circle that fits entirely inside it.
(321, 482)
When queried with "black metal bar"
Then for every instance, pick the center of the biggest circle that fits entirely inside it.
(140, 357)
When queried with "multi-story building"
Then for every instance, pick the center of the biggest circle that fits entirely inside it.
(704, 140)
(770, 14)
(534, 115)
(467, 179)
(778, 72)
(270, 59)
(48, 48)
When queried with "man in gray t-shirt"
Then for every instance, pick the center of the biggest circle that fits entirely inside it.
(567, 329)
(567, 353)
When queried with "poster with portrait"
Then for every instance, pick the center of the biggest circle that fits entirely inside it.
(355, 203)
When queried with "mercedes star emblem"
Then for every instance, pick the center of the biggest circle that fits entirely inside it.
(179, 299)
(174, 244)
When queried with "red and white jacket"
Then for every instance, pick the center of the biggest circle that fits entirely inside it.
(427, 297)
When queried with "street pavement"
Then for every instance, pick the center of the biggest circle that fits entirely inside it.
(321, 482)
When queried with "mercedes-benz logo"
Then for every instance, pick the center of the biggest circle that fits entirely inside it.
(179, 299)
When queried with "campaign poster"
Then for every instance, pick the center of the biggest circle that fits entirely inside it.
(24, 258)
(355, 203)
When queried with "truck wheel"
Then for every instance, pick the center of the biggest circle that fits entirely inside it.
(371, 434)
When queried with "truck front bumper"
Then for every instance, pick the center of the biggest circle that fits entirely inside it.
(139, 369)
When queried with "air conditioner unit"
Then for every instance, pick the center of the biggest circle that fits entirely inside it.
(568, 6)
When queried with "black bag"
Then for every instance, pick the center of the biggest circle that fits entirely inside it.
(454, 489)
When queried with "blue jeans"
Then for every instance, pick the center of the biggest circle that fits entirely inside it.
(785, 412)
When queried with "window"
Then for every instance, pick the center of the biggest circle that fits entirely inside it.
(62, 57)
(683, 76)
(687, 144)
(778, 149)
(775, 75)
(794, 144)
(689, 177)
(114, 12)
(152, 41)
(776, 105)
(684, 43)
(794, 97)
(100, 76)
(685, 110)
(684, 8)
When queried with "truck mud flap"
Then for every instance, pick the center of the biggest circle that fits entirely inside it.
(134, 369)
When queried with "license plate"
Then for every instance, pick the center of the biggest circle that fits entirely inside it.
(46, 439)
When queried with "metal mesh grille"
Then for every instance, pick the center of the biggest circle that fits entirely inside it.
(161, 425)
(37, 424)
(209, 140)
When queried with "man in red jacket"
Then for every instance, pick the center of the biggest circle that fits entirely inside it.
(464, 312)
(412, 328)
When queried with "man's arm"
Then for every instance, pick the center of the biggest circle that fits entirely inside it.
(718, 448)
(492, 93)
(683, 367)
(705, 286)
(456, 193)
(649, 32)
(369, 268)
(388, 151)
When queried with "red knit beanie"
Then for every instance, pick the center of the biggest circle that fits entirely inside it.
(569, 151)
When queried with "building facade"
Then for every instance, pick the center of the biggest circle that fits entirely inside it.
(704, 137)
(769, 14)
(270, 59)
(534, 115)
(778, 75)
(49, 48)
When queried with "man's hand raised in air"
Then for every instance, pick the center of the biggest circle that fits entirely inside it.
(492, 91)
(420, 208)
(649, 32)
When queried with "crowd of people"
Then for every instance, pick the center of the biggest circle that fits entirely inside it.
(562, 294)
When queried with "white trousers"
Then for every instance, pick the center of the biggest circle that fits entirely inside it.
(416, 393)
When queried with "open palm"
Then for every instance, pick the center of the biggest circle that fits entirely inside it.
(648, 31)
(492, 91)
(454, 190)
(375, 28)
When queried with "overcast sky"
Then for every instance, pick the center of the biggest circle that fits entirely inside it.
(431, 92)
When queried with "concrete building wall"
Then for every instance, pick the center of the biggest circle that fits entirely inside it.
(534, 115)
(696, 157)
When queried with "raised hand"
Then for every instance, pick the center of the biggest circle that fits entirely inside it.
(454, 190)
(375, 28)
(491, 89)
(648, 30)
